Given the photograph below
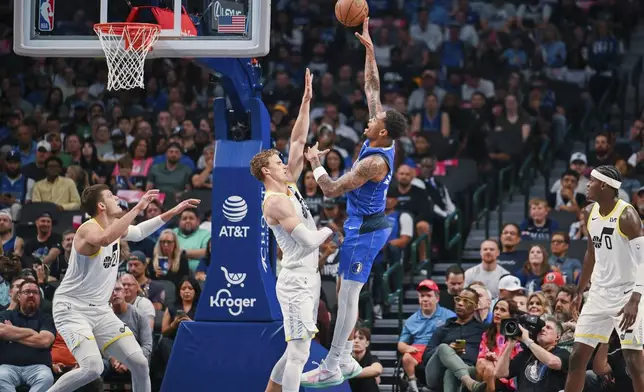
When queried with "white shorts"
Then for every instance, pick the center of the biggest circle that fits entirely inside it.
(76, 321)
(298, 293)
(599, 317)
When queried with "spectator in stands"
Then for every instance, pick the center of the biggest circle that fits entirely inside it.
(56, 189)
(169, 261)
(150, 289)
(483, 309)
(541, 365)
(184, 309)
(569, 268)
(428, 84)
(73, 148)
(488, 271)
(14, 292)
(420, 327)
(506, 142)
(132, 296)
(566, 198)
(604, 153)
(534, 269)
(538, 304)
(369, 378)
(79, 176)
(552, 283)
(11, 243)
(202, 179)
(58, 267)
(96, 170)
(510, 257)
(578, 163)
(454, 348)
(454, 282)
(538, 227)
(493, 343)
(312, 193)
(333, 214)
(202, 269)
(46, 246)
(124, 180)
(567, 314)
(137, 323)
(13, 185)
(431, 119)
(578, 229)
(510, 287)
(27, 360)
(192, 239)
(610, 364)
(170, 177)
(119, 147)
(412, 199)
(35, 169)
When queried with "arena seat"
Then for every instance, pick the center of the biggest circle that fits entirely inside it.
(30, 212)
(170, 292)
(564, 218)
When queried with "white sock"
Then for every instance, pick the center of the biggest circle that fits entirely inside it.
(413, 385)
(346, 320)
(346, 353)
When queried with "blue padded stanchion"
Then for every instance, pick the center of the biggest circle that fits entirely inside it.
(237, 336)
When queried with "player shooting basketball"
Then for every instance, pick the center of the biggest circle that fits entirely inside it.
(81, 311)
(366, 228)
(286, 213)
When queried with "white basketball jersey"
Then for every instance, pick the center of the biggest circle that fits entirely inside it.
(91, 279)
(614, 264)
(293, 254)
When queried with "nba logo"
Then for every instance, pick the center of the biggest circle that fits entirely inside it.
(46, 18)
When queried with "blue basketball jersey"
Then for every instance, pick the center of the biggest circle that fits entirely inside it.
(370, 198)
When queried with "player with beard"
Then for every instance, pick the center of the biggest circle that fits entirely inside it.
(9, 241)
(614, 263)
(192, 239)
(13, 185)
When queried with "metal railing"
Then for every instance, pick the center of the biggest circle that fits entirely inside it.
(413, 259)
(457, 239)
(505, 173)
(481, 207)
(394, 297)
(368, 313)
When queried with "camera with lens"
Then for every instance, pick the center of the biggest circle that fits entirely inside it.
(510, 327)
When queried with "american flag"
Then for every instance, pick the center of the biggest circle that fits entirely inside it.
(232, 24)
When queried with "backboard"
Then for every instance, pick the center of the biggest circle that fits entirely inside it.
(64, 28)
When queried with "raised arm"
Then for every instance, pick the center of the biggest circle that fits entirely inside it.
(145, 229)
(371, 75)
(373, 167)
(300, 131)
(279, 209)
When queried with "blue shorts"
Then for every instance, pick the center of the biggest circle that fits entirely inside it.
(364, 237)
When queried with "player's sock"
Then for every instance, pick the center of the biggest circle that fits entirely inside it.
(413, 385)
(88, 370)
(297, 353)
(346, 320)
(277, 374)
(346, 353)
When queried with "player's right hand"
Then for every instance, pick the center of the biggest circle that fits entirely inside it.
(147, 198)
(365, 37)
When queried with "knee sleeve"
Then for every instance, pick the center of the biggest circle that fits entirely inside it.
(137, 362)
(91, 367)
(297, 351)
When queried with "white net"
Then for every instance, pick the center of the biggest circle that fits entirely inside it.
(125, 46)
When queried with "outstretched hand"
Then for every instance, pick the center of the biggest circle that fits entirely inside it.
(365, 37)
(313, 153)
(308, 86)
(150, 195)
(184, 205)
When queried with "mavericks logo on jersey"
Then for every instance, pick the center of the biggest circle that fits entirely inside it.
(113, 260)
(604, 239)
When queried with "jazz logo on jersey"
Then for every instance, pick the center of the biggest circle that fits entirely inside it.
(46, 17)
(113, 260)
(604, 238)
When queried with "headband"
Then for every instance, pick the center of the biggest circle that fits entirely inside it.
(605, 179)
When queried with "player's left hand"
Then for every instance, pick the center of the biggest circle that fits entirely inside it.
(629, 314)
(188, 203)
(308, 86)
(313, 153)
(365, 37)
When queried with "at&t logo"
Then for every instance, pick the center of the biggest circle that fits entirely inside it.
(224, 298)
(235, 210)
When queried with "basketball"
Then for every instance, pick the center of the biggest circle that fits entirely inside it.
(351, 13)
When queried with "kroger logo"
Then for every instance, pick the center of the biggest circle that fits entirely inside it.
(235, 208)
(225, 299)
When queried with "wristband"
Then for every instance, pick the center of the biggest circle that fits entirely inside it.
(319, 172)
(529, 343)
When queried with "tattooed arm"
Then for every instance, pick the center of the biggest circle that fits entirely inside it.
(373, 167)
(371, 75)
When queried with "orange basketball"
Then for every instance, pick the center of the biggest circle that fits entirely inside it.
(351, 13)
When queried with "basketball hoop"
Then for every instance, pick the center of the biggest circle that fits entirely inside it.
(125, 46)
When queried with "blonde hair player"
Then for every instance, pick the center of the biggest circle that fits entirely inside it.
(614, 264)
(80, 309)
(288, 216)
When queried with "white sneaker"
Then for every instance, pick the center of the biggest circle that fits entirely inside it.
(350, 369)
(377, 312)
(321, 377)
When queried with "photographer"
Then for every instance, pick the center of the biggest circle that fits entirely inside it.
(541, 366)
(454, 348)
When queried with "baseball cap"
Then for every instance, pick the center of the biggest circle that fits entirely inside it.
(45, 214)
(578, 157)
(117, 133)
(510, 283)
(43, 144)
(427, 284)
(137, 255)
(555, 278)
(13, 156)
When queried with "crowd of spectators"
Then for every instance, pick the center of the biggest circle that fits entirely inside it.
(475, 81)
